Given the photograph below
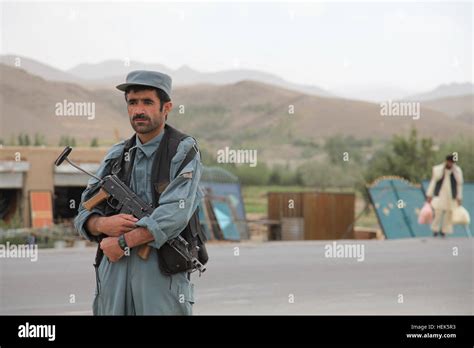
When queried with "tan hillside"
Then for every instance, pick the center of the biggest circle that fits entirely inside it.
(459, 107)
(29, 105)
(246, 114)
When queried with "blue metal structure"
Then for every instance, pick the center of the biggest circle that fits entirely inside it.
(398, 202)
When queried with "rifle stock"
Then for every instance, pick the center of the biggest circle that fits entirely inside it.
(101, 196)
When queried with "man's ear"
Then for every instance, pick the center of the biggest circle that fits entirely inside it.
(168, 107)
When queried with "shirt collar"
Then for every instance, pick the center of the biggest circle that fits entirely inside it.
(151, 146)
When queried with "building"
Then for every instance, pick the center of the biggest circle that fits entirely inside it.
(28, 177)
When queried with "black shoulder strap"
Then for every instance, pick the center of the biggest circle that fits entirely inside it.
(122, 166)
(161, 164)
(189, 157)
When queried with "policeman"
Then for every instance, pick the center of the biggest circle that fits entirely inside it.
(126, 283)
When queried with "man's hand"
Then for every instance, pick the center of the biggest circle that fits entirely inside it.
(459, 200)
(116, 225)
(428, 199)
(111, 249)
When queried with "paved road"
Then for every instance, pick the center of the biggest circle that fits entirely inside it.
(272, 278)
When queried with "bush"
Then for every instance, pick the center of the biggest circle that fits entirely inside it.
(24, 139)
(336, 146)
(95, 142)
(247, 175)
(410, 158)
(464, 147)
(67, 141)
(324, 174)
(284, 175)
(40, 140)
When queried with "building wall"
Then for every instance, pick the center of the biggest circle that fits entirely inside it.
(41, 173)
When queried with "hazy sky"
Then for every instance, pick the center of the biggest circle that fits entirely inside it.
(410, 45)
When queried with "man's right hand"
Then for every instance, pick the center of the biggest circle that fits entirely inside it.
(428, 199)
(112, 226)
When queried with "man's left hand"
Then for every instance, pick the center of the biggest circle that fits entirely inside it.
(111, 248)
(459, 200)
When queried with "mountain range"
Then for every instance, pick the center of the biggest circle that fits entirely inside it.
(111, 72)
(277, 121)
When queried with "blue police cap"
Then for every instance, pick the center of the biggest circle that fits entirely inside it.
(147, 78)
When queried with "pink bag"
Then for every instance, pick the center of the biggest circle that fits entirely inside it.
(426, 214)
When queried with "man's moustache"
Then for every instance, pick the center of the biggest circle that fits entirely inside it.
(140, 117)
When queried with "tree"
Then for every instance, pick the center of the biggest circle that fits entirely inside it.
(39, 140)
(67, 141)
(275, 176)
(324, 174)
(464, 149)
(284, 175)
(24, 139)
(247, 175)
(410, 158)
(336, 146)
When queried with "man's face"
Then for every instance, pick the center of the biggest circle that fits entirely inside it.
(449, 164)
(144, 111)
